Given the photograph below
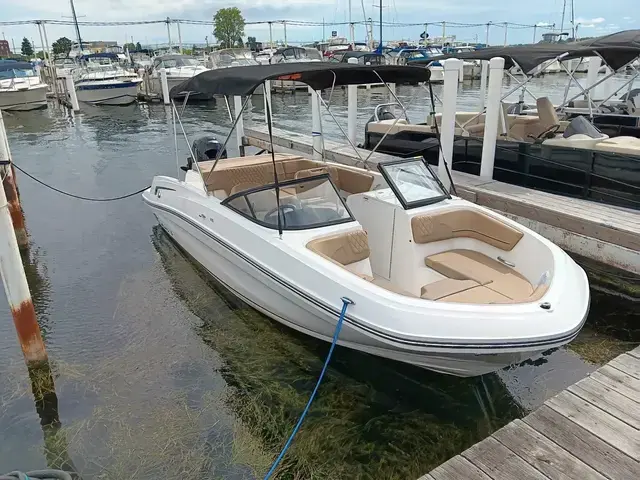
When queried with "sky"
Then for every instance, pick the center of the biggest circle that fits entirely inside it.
(594, 17)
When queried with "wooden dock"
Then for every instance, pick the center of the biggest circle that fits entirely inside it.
(589, 431)
(607, 234)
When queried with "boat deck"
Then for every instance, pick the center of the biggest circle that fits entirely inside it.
(604, 233)
(589, 431)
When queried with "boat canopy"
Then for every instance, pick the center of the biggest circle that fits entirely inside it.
(617, 50)
(318, 75)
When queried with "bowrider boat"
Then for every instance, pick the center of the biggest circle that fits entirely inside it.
(436, 281)
(179, 68)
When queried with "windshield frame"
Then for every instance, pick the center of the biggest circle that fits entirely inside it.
(408, 205)
(285, 184)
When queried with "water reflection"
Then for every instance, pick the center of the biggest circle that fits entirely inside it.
(372, 418)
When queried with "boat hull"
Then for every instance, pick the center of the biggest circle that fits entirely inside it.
(301, 310)
(156, 87)
(32, 98)
(123, 92)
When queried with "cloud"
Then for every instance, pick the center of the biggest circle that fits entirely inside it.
(589, 23)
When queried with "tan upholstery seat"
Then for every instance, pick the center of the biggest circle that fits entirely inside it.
(487, 272)
(240, 187)
(469, 223)
(477, 295)
(546, 114)
(343, 248)
(446, 287)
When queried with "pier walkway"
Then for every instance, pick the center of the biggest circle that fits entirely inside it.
(605, 233)
(589, 431)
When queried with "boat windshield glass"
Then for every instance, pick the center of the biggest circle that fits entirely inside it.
(413, 181)
(305, 203)
(178, 62)
(16, 73)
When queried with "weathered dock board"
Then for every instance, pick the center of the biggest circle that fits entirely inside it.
(604, 233)
(589, 431)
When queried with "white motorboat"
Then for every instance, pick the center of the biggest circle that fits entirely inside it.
(102, 81)
(21, 87)
(436, 281)
(293, 55)
(231, 58)
(179, 68)
(64, 67)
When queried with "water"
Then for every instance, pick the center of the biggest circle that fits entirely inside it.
(162, 374)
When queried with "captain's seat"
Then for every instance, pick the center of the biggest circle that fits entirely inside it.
(549, 121)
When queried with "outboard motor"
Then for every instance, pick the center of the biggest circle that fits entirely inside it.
(205, 148)
(384, 114)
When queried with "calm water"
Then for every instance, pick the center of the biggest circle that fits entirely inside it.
(162, 374)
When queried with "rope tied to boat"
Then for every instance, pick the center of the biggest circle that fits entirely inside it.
(37, 474)
(345, 304)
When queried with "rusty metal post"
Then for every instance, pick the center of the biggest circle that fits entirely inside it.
(17, 290)
(11, 189)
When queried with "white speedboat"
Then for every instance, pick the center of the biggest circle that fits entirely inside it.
(436, 281)
(179, 68)
(64, 67)
(102, 81)
(231, 58)
(293, 55)
(21, 87)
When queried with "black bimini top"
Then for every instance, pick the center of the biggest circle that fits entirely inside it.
(318, 75)
(616, 50)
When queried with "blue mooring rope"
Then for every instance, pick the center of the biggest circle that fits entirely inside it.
(345, 303)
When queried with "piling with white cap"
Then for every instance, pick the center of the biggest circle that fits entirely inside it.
(316, 123)
(448, 121)
(484, 72)
(165, 86)
(492, 117)
(352, 107)
(237, 108)
(592, 74)
(71, 91)
(10, 189)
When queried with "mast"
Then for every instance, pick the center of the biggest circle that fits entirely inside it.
(564, 7)
(75, 22)
(380, 44)
(573, 22)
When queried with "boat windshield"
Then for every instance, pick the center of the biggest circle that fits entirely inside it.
(17, 73)
(305, 203)
(232, 57)
(174, 62)
(413, 182)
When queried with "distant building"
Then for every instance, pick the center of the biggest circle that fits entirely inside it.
(5, 51)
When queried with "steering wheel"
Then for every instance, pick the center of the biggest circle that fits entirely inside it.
(280, 208)
(551, 130)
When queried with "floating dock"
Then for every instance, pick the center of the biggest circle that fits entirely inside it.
(589, 431)
(604, 233)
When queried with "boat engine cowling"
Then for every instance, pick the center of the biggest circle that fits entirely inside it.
(205, 148)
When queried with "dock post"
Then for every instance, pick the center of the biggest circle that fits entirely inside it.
(352, 107)
(483, 83)
(448, 121)
(492, 117)
(165, 86)
(267, 99)
(17, 290)
(316, 124)
(10, 190)
(392, 98)
(71, 90)
(237, 109)
(461, 71)
(592, 74)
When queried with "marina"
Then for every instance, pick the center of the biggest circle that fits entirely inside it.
(224, 273)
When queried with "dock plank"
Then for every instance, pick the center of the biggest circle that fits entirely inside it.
(457, 468)
(635, 352)
(582, 444)
(627, 364)
(500, 463)
(609, 400)
(613, 431)
(543, 454)
(619, 381)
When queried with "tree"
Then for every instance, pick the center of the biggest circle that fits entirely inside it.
(129, 47)
(138, 46)
(62, 46)
(228, 26)
(27, 48)
(251, 43)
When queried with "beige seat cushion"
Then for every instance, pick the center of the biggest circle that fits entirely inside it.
(343, 248)
(240, 187)
(494, 275)
(446, 287)
(464, 223)
(477, 295)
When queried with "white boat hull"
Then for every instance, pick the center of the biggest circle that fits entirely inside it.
(288, 302)
(108, 92)
(31, 98)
